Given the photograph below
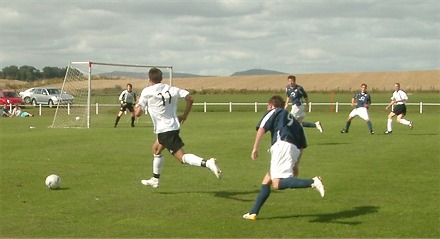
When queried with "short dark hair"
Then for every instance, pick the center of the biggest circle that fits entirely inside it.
(155, 75)
(277, 101)
(292, 77)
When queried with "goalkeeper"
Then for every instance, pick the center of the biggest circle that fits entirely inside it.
(127, 99)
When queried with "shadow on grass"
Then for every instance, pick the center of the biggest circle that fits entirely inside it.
(224, 194)
(336, 217)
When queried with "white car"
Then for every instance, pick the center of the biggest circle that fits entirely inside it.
(27, 95)
(50, 96)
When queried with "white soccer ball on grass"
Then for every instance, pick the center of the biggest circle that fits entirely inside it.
(77, 118)
(53, 181)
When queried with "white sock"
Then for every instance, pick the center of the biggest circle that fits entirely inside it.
(157, 163)
(192, 159)
(389, 125)
(404, 121)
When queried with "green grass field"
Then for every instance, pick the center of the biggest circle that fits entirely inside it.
(377, 185)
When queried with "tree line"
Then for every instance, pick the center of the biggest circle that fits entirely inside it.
(30, 73)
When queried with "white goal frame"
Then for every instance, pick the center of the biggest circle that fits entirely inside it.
(90, 85)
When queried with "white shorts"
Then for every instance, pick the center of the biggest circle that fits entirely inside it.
(361, 112)
(283, 157)
(298, 111)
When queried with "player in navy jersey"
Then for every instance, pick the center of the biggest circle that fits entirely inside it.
(127, 99)
(161, 102)
(288, 141)
(398, 99)
(361, 101)
(295, 93)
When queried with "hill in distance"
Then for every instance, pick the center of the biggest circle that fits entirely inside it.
(138, 75)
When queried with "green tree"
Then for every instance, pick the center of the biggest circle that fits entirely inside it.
(50, 72)
(10, 72)
(28, 73)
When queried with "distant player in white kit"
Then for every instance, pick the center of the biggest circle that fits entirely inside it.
(161, 100)
(398, 99)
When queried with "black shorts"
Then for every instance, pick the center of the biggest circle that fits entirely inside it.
(171, 140)
(399, 109)
(127, 106)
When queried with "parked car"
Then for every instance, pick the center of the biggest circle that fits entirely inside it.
(27, 95)
(8, 97)
(50, 96)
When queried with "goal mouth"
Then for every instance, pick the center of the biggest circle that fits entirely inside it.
(95, 87)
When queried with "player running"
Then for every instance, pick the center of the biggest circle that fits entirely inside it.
(398, 99)
(161, 100)
(295, 93)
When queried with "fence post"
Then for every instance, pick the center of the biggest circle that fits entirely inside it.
(337, 107)
(256, 107)
(230, 107)
(97, 108)
(421, 107)
(310, 107)
(204, 107)
(68, 108)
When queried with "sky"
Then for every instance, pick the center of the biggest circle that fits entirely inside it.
(221, 37)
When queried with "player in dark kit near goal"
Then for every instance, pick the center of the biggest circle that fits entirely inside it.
(127, 99)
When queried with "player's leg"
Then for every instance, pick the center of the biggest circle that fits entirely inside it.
(158, 159)
(402, 120)
(118, 116)
(390, 123)
(262, 196)
(352, 114)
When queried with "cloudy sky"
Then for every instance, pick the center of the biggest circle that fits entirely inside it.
(220, 37)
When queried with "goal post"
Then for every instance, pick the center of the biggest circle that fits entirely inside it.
(98, 83)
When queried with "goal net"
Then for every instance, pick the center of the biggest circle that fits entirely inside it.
(95, 88)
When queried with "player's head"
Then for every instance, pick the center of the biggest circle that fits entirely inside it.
(397, 86)
(129, 87)
(275, 101)
(363, 87)
(292, 80)
(155, 75)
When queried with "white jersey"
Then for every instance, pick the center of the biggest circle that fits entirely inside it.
(161, 100)
(400, 95)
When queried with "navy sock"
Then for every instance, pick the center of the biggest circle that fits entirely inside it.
(261, 199)
(347, 125)
(370, 126)
(308, 125)
(293, 182)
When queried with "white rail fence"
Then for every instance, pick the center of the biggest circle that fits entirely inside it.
(334, 106)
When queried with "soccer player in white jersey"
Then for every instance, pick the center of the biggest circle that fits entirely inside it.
(161, 101)
(127, 99)
(398, 99)
(288, 141)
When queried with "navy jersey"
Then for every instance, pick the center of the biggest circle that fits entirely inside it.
(362, 99)
(296, 94)
(283, 126)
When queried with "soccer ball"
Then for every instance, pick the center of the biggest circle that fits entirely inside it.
(53, 181)
(77, 118)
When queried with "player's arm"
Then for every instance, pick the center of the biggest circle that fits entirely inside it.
(189, 103)
(138, 110)
(260, 133)
(306, 97)
(287, 102)
(353, 102)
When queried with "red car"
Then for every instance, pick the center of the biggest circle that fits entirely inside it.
(10, 97)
